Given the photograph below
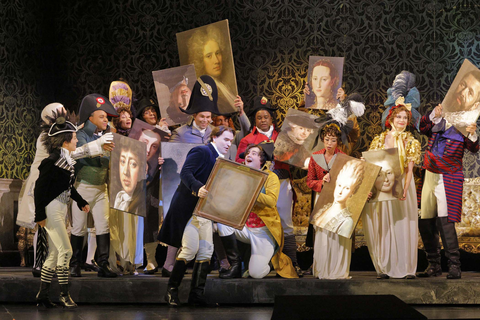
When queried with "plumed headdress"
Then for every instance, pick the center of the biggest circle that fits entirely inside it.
(403, 92)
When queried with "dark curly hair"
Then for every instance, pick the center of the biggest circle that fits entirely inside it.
(263, 156)
(331, 130)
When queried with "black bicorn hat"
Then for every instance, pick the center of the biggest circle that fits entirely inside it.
(59, 120)
(145, 103)
(204, 97)
(94, 102)
(261, 103)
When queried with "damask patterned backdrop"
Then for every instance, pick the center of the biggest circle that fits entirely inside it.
(66, 50)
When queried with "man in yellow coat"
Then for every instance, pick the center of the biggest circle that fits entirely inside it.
(263, 229)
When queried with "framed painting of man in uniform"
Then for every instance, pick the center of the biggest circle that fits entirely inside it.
(174, 154)
(295, 143)
(174, 88)
(341, 201)
(388, 185)
(209, 49)
(461, 106)
(325, 75)
(233, 189)
(128, 168)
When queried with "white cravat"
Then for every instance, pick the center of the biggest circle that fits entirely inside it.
(66, 154)
(219, 154)
(122, 200)
(267, 133)
(202, 131)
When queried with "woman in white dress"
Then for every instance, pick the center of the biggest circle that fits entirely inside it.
(391, 227)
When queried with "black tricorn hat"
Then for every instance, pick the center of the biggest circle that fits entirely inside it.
(261, 103)
(94, 102)
(204, 97)
(143, 104)
(267, 147)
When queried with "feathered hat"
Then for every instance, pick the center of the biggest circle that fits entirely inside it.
(403, 92)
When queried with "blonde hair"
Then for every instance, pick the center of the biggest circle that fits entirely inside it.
(196, 44)
(354, 169)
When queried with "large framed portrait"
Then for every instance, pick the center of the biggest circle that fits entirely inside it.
(233, 189)
(151, 136)
(295, 143)
(209, 49)
(174, 154)
(389, 182)
(174, 88)
(128, 166)
(324, 77)
(341, 201)
(461, 106)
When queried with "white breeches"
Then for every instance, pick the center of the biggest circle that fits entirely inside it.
(263, 247)
(59, 248)
(285, 206)
(197, 240)
(97, 198)
(434, 199)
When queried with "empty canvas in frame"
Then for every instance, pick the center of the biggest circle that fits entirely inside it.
(233, 189)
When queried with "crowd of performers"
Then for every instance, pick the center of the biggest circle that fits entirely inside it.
(72, 161)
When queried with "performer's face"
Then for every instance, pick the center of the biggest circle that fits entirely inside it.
(99, 118)
(253, 159)
(150, 116)
(212, 59)
(299, 133)
(223, 142)
(125, 121)
(72, 144)
(467, 95)
(221, 121)
(129, 169)
(152, 139)
(401, 120)
(330, 143)
(343, 188)
(183, 97)
(202, 119)
(385, 179)
(322, 82)
(263, 120)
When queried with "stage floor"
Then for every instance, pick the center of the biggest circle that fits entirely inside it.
(19, 286)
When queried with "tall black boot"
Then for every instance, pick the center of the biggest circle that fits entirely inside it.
(429, 233)
(233, 256)
(178, 271)
(450, 244)
(64, 300)
(199, 278)
(290, 249)
(43, 294)
(76, 260)
(103, 250)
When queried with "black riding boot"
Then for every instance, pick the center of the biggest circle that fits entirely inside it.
(233, 255)
(103, 250)
(429, 233)
(178, 271)
(42, 296)
(64, 300)
(76, 260)
(290, 249)
(450, 244)
(199, 278)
